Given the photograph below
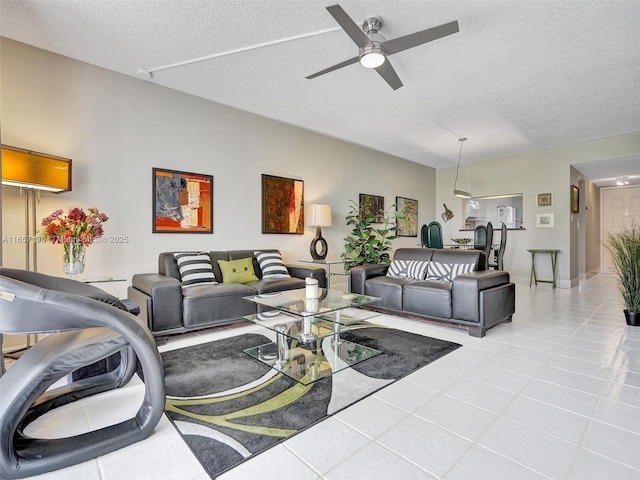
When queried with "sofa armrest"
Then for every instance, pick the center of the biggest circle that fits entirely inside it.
(466, 288)
(164, 297)
(299, 271)
(361, 273)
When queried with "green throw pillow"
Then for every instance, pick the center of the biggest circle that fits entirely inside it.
(237, 271)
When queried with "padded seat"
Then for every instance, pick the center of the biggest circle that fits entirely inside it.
(271, 285)
(428, 297)
(199, 309)
(82, 331)
(389, 289)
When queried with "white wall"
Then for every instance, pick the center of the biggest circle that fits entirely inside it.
(115, 128)
(532, 173)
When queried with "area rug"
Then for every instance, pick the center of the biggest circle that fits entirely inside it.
(228, 406)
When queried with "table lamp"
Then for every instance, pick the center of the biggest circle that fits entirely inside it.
(318, 216)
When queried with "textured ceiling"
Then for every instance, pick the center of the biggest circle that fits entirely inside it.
(519, 76)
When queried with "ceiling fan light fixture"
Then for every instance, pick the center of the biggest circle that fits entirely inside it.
(372, 57)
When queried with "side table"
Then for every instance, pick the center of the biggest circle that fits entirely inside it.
(327, 264)
(554, 261)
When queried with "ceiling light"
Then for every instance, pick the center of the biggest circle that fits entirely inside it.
(372, 57)
(620, 181)
(456, 191)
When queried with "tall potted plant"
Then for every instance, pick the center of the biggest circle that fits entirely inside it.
(369, 245)
(624, 247)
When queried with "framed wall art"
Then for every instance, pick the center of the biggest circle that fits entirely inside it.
(575, 199)
(407, 227)
(182, 202)
(372, 205)
(282, 205)
(544, 220)
(545, 199)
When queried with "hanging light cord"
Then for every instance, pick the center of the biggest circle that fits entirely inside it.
(462, 140)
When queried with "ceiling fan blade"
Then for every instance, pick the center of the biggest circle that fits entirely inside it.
(349, 26)
(390, 76)
(418, 38)
(346, 63)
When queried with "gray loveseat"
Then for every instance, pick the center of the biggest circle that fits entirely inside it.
(478, 299)
(169, 307)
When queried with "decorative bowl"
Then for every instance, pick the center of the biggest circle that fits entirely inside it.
(461, 241)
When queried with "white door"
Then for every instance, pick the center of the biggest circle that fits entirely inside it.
(620, 209)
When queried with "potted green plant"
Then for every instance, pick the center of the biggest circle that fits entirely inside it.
(624, 247)
(369, 245)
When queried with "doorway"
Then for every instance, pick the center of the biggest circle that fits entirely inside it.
(620, 209)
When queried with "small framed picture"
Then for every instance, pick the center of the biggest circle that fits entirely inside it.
(575, 199)
(544, 220)
(544, 199)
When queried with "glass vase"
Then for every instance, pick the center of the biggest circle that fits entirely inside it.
(74, 253)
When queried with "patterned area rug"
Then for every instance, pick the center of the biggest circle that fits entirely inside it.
(228, 406)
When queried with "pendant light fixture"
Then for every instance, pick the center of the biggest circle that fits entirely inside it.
(456, 191)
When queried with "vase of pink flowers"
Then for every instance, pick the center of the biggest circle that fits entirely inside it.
(75, 231)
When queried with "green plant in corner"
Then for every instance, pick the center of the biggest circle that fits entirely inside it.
(368, 245)
(624, 247)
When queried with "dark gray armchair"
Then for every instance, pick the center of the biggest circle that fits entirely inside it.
(85, 325)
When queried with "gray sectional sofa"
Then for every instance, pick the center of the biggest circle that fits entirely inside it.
(427, 283)
(171, 307)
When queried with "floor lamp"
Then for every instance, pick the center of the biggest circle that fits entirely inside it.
(33, 172)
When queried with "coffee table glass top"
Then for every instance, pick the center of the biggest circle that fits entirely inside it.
(332, 305)
(301, 329)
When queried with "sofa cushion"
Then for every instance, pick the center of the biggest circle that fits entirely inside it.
(428, 297)
(448, 271)
(408, 268)
(195, 268)
(271, 265)
(270, 285)
(238, 271)
(387, 288)
(210, 304)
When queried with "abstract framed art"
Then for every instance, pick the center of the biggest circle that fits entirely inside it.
(407, 226)
(182, 202)
(575, 199)
(282, 205)
(372, 205)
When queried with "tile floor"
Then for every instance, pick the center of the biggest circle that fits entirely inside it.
(553, 395)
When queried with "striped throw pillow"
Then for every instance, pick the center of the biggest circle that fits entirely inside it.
(195, 269)
(447, 271)
(271, 265)
(408, 268)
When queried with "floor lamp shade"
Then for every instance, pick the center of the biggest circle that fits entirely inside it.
(318, 216)
(39, 171)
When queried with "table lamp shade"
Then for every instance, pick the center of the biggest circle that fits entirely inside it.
(318, 216)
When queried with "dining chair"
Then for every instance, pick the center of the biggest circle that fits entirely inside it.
(434, 235)
(424, 236)
(498, 264)
(480, 237)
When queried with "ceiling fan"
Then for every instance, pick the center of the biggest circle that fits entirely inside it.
(375, 49)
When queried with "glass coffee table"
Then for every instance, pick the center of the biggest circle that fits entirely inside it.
(308, 346)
